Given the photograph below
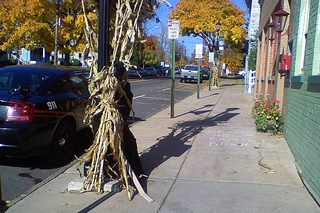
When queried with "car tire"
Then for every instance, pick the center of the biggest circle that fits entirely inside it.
(62, 144)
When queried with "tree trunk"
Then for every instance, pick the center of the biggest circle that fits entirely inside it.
(66, 59)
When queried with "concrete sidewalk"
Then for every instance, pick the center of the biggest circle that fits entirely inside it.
(208, 158)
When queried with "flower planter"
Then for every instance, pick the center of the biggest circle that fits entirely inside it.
(270, 124)
(267, 115)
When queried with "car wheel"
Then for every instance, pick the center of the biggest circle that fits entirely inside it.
(62, 144)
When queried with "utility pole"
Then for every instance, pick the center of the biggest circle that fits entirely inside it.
(103, 40)
(199, 49)
(173, 61)
(56, 40)
(173, 34)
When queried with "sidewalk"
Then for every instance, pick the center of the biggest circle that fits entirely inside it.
(208, 158)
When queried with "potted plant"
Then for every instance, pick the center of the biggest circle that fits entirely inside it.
(267, 114)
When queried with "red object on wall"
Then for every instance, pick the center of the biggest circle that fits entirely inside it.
(286, 62)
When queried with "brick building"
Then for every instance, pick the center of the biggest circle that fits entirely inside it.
(288, 69)
(302, 123)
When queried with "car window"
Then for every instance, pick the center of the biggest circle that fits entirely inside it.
(10, 80)
(4, 78)
(191, 68)
(75, 83)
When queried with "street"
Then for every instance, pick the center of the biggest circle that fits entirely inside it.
(21, 176)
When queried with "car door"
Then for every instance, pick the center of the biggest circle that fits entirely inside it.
(70, 95)
(77, 84)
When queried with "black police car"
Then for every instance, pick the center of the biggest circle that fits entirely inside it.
(41, 109)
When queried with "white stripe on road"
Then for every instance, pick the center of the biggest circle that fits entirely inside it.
(140, 96)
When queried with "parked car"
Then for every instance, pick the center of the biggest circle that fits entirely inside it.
(190, 73)
(142, 71)
(168, 71)
(160, 70)
(41, 110)
(132, 72)
(151, 71)
(137, 72)
(75, 62)
(177, 71)
(205, 73)
(242, 72)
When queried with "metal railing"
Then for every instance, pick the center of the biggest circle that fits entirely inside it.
(250, 79)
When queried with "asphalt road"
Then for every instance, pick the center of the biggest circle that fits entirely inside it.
(151, 95)
(154, 95)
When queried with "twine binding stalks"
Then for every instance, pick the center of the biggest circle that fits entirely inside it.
(106, 155)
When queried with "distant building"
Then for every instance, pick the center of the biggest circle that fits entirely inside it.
(35, 55)
(253, 27)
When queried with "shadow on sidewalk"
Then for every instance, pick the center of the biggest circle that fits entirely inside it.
(180, 139)
(198, 111)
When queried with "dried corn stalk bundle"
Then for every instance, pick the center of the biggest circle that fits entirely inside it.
(106, 153)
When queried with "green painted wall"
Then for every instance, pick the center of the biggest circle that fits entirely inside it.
(302, 123)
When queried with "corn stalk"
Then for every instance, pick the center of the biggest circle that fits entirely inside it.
(106, 153)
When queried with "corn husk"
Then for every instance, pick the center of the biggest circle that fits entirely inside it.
(105, 155)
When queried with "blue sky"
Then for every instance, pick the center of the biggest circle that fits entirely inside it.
(163, 14)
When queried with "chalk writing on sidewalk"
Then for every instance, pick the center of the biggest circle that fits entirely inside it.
(239, 139)
(233, 134)
(241, 143)
(242, 152)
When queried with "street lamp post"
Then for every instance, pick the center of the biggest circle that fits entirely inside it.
(56, 40)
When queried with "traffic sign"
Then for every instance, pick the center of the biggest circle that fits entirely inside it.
(173, 29)
(211, 56)
(199, 49)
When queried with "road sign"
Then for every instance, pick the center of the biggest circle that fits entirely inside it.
(221, 43)
(211, 56)
(199, 49)
(173, 29)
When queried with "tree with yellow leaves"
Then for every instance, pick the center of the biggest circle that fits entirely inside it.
(234, 59)
(30, 24)
(200, 17)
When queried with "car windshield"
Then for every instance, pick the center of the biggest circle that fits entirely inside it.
(11, 79)
(191, 68)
